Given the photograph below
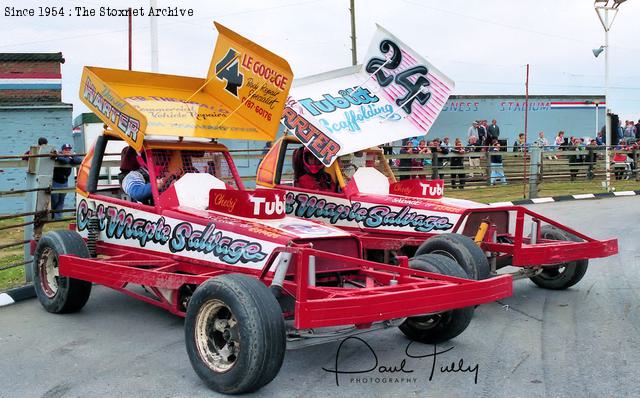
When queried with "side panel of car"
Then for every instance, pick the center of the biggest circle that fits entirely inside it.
(136, 228)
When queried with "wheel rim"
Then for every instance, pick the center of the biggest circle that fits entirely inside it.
(49, 272)
(217, 336)
(555, 272)
(427, 322)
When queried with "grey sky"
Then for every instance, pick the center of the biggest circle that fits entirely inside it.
(482, 45)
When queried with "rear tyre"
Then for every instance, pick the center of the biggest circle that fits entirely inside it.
(560, 276)
(462, 250)
(437, 328)
(59, 294)
(235, 334)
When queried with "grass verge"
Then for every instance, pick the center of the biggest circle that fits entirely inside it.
(15, 277)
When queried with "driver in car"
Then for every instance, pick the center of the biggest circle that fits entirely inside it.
(136, 181)
(309, 172)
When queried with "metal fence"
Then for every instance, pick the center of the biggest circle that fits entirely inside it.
(584, 164)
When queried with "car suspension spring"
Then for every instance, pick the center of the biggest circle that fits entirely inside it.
(93, 230)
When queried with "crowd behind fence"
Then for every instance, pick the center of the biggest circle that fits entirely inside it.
(583, 164)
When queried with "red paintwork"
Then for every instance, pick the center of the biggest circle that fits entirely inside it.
(429, 189)
(260, 204)
(165, 275)
(410, 193)
(416, 292)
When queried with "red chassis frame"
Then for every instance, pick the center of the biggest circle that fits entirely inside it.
(520, 249)
(415, 292)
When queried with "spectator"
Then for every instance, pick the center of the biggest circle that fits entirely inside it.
(424, 150)
(619, 131)
(629, 130)
(520, 145)
(543, 144)
(482, 133)
(591, 158)
(42, 141)
(457, 164)
(406, 163)
(622, 145)
(473, 130)
(497, 170)
(440, 150)
(559, 142)
(638, 130)
(493, 131)
(474, 162)
(445, 143)
(574, 159)
(61, 178)
(600, 139)
(387, 148)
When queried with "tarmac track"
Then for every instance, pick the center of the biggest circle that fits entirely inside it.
(581, 342)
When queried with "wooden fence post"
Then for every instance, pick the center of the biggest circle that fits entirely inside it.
(487, 157)
(434, 165)
(635, 164)
(39, 175)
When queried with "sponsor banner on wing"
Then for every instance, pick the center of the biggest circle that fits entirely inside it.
(394, 94)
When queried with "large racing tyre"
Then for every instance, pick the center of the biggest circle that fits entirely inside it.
(437, 328)
(59, 294)
(560, 276)
(462, 250)
(235, 334)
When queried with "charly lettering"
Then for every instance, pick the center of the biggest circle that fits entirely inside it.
(229, 204)
(308, 206)
(120, 224)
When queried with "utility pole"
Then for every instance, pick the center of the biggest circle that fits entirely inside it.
(354, 55)
(525, 149)
(154, 39)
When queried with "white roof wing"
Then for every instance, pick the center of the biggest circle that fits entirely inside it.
(396, 93)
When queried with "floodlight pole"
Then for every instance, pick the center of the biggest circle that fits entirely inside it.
(603, 8)
(606, 103)
(352, 11)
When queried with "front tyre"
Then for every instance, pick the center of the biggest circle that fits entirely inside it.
(437, 328)
(59, 294)
(560, 276)
(235, 334)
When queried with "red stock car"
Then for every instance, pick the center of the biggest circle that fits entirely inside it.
(249, 280)
(412, 218)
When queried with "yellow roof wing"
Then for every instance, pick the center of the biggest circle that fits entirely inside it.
(242, 97)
